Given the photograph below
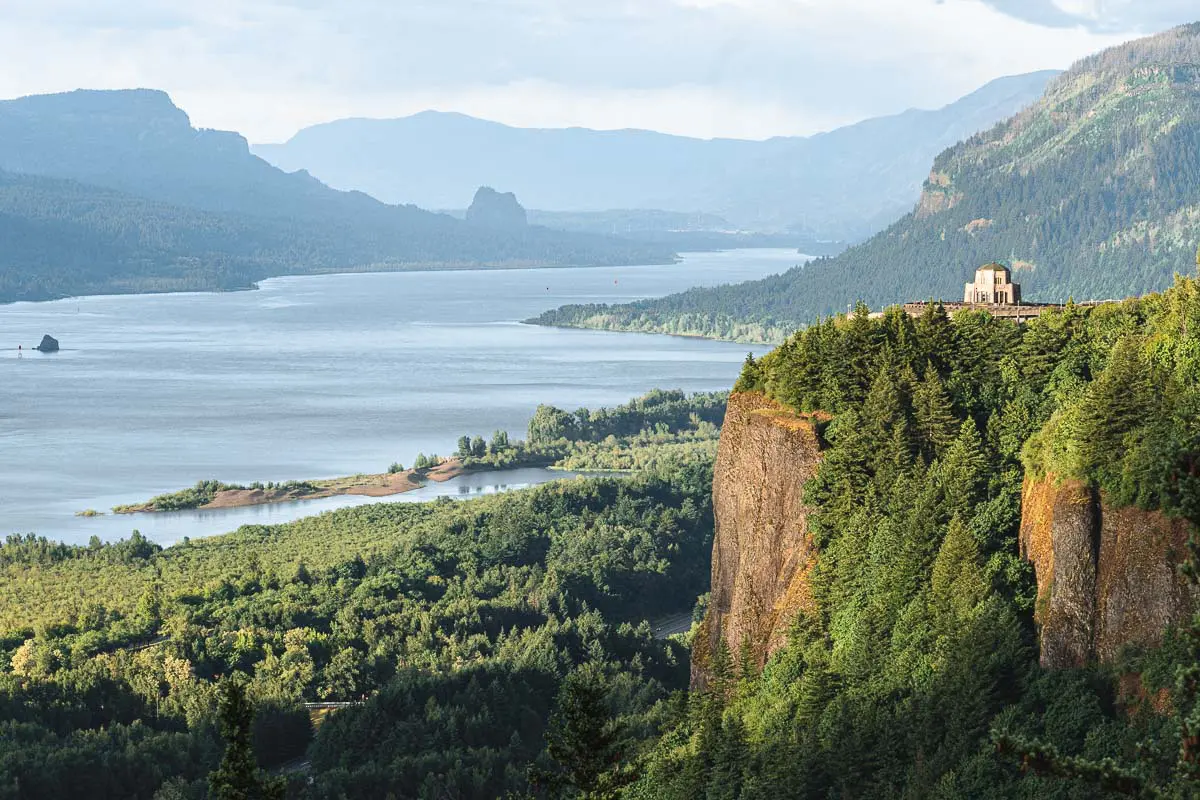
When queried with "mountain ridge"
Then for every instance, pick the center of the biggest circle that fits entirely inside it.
(812, 185)
(1093, 192)
(128, 196)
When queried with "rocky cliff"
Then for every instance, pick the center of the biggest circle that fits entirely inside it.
(491, 209)
(762, 552)
(1106, 577)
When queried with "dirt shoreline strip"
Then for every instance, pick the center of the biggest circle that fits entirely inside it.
(381, 485)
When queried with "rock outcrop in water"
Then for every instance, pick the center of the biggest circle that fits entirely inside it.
(1106, 577)
(49, 344)
(762, 552)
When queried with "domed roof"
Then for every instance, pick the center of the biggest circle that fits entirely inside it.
(995, 266)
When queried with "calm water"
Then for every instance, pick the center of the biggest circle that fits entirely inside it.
(168, 529)
(313, 377)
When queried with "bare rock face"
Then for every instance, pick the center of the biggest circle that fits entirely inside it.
(1058, 536)
(762, 553)
(1106, 577)
(938, 195)
(1139, 590)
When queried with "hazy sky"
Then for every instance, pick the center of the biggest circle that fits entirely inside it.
(751, 68)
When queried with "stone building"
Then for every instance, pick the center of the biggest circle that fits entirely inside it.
(993, 286)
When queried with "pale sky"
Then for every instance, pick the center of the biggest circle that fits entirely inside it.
(742, 68)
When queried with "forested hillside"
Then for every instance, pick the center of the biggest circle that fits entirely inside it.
(916, 654)
(455, 622)
(1093, 192)
(115, 192)
(500, 647)
(458, 620)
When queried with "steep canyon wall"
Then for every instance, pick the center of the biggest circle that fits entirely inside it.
(1106, 577)
(762, 552)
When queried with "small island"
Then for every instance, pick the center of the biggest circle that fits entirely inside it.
(49, 344)
(213, 494)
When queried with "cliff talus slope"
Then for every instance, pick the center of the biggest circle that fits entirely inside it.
(762, 554)
(1106, 577)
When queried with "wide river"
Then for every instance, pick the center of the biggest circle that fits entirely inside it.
(312, 377)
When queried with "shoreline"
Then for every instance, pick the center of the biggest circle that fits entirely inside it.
(369, 269)
(605, 329)
(377, 485)
(384, 268)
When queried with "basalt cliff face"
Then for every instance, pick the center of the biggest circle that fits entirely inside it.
(1106, 577)
(762, 553)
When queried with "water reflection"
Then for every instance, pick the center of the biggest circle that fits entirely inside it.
(169, 528)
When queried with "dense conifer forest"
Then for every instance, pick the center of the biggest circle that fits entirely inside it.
(454, 622)
(503, 645)
(920, 653)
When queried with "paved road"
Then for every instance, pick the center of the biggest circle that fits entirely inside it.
(668, 626)
(301, 766)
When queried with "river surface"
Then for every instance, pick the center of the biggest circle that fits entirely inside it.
(315, 376)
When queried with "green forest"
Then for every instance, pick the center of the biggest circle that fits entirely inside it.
(654, 429)
(504, 646)
(115, 658)
(918, 664)
(456, 621)
(1090, 193)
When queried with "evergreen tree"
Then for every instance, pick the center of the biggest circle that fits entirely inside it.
(747, 662)
(722, 670)
(1115, 404)
(238, 776)
(936, 335)
(963, 470)
(933, 415)
(583, 740)
(886, 424)
(859, 340)
(730, 761)
(750, 379)
(957, 582)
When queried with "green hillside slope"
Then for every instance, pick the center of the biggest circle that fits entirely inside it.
(1093, 192)
(116, 191)
(918, 651)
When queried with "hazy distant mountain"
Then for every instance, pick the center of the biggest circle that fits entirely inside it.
(116, 191)
(684, 233)
(839, 185)
(1092, 192)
